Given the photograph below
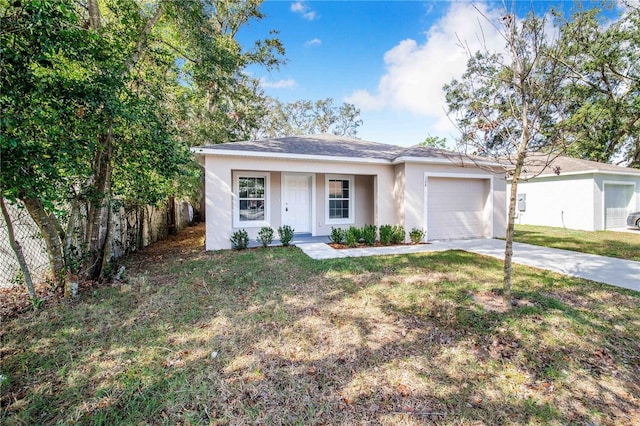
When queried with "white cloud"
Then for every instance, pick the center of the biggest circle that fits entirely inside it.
(313, 42)
(303, 9)
(416, 72)
(280, 84)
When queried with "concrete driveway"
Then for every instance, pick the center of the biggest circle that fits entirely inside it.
(617, 272)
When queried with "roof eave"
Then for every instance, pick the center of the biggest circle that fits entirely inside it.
(584, 172)
(286, 156)
(449, 161)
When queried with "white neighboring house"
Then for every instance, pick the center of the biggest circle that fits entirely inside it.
(577, 194)
(314, 183)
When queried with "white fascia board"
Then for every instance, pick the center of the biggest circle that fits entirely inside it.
(585, 172)
(287, 156)
(454, 162)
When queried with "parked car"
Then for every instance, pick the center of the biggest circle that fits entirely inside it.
(633, 220)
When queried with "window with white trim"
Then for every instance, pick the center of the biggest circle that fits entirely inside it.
(339, 199)
(251, 206)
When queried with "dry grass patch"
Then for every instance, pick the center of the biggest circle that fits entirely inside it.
(272, 337)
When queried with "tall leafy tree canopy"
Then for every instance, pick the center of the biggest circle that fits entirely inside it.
(305, 117)
(102, 98)
(602, 109)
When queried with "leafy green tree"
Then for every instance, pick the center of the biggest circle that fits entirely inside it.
(48, 115)
(305, 117)
(434, 142)
(506, 106)
(92, 96)
(602, 108)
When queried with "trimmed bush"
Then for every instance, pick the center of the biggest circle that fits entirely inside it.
(398, 235)
(286, 234)
(416, 235)
(352, 236)
(265, 236)
(357, 232)
(240, 239)
(369, 234)
(386, 231)
(337, 235)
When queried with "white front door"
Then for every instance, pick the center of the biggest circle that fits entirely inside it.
(296, 201)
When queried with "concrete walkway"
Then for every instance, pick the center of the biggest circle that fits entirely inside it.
(617, 272)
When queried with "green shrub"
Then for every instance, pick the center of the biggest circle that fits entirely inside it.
(337, 235)
(386, 231)
(352, 236)
(286, 234)
(265, 236)
(416, 235)
(398, 235)
(240, 239)
(357, 232)
(369, 234)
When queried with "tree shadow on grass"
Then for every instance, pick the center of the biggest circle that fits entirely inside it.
(271, 337)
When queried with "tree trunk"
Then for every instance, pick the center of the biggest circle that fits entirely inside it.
(17, 249)
(508, 250)
(52, 240)
(98, 206)
(172, 227)
(108, 242)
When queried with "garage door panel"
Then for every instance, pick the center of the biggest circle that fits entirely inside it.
(617, 199)
(456, 208)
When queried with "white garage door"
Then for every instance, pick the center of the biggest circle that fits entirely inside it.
(455, 208)
(617, 199)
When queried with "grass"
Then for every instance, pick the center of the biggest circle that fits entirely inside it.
(623, 245)
(269, 336)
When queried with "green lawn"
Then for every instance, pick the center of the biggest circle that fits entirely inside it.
(269, 336)
(624, 245)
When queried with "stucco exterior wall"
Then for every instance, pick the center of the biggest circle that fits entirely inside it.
(560, 201)
(364, 206)
(383, 193)
(398, 195)
(372, 183)
(414, 196)
(500, 197)
(495, 216)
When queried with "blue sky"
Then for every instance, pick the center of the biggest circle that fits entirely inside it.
(389, 58)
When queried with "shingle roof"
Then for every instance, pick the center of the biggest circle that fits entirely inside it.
(539, 164)
(337, 146)
(326, 145)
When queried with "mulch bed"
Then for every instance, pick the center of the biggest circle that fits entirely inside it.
(376, 244)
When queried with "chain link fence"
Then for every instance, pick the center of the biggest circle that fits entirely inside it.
(132, 229)
(33, 247)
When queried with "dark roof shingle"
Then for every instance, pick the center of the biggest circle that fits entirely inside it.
(338, 146)
(325, 145)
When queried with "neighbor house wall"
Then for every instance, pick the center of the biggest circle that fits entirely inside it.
(560, 201)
